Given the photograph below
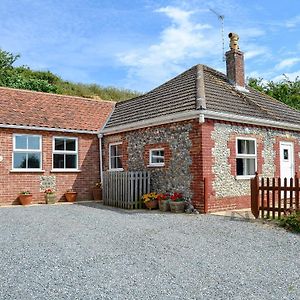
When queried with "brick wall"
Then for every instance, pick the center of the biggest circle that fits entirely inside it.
(82, 182)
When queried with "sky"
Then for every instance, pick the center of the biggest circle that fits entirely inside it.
(141, 44)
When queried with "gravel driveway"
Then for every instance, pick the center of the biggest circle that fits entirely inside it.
(92, 252)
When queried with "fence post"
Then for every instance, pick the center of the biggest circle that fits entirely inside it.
(255, 195)
(297, 190)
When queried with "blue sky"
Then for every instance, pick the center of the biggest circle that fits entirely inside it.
(141, 44)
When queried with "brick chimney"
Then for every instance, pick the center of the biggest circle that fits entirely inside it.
(235, 63)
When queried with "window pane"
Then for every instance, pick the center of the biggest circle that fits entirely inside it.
(113, 150)
(71, 144)
(241, 147)
(250, 147)
(59, 144)
(71, 161)
(21, 142)
(245, 166)
(20, 160)
(34, 160)
(33, 142)
(250, 166)
(58, 161)
(118, 163)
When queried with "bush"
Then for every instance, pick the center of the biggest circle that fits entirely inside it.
(291, 220)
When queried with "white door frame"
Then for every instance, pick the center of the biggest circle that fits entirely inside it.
(281, 144)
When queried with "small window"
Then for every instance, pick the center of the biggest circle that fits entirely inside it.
(27, 152)
(65, 153)
(115, 156)
(157, 157)
(246, 157)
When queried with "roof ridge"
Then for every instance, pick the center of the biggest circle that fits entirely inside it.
(200, 88)
(58, 95)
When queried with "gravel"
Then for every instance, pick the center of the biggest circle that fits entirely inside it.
(94, 252)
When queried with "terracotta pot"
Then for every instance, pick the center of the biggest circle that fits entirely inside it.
(151, 204)
(164, 205)
(177, 207)
(97, 194)
(25, 199)
(71, 196)
(50, 198)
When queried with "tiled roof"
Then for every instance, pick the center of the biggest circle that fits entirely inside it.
(36, 109)
(180, 95)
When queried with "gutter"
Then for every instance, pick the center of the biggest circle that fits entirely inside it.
(201, 115)
(24, 127)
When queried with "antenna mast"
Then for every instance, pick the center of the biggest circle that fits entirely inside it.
(221, 18)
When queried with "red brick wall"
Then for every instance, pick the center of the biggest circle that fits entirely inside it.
(82, 182)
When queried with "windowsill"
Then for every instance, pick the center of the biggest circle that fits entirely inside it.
(156, 166)
(65, 171)
(116, 170)
(244, 177)
(26, 171)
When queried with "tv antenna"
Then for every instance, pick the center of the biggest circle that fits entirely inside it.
(221, 18)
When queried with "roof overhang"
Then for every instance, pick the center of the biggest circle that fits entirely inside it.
(201, 115)
(25, 127)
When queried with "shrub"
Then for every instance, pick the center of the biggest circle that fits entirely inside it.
(291, 220)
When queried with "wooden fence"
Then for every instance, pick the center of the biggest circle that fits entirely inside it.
(272, 197)
(125, 189)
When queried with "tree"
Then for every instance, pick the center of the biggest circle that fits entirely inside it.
(286, 90)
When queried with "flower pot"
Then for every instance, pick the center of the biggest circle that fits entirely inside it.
(25, 199)
(151, 204)
(71, 196)
(50, 198)
(177, 207)
(164, 205)
(97, 194)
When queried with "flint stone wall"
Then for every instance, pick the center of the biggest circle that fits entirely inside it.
(225, 184)
(177, 176)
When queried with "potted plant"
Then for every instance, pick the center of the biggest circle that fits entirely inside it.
(150, 200)
(177, 203)
(71, 196)
(97, 191)
(164, 202)
(50, 196)
(25, 197)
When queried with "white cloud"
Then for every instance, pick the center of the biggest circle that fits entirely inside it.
(291, 23)
(254, 51)
(181, 41)
(287, 63)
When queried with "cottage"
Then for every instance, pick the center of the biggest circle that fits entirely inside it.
(51, 141)
(205, 134)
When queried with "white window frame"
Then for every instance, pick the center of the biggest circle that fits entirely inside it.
(109, 157)
(27, 151)
(65, 152)
(246, 156)
(152, 164)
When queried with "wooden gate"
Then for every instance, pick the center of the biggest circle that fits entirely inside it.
(125, 189)
(272, 197)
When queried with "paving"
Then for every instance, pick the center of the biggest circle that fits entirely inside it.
(88, 251)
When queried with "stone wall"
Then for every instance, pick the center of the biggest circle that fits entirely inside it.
(176, 175)
(225, 183)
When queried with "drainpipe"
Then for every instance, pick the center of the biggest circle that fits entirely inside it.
(100, 136)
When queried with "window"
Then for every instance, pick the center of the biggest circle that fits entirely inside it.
(65, 153)
(246, 157)
(115, 156)
(27, 152)
(157, 157)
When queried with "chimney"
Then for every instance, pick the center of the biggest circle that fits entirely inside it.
(235, 63)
